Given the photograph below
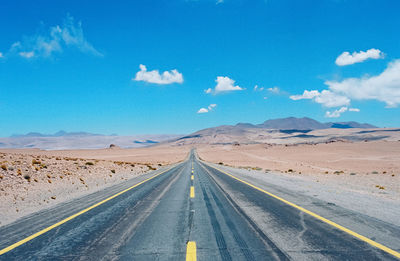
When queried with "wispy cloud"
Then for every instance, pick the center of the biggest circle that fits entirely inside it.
(208, 109)
(154, 76)
(274, 89)
(336, 113)
(357, 57)
(1, 55)
(258, 89)
(56, 40)
(224, 84)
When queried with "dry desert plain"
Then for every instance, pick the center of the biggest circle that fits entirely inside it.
(32, 179)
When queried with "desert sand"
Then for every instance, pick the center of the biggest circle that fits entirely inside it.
(32, 179)
(364, 167)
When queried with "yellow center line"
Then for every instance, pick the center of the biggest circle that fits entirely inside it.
(23, 241)
(192, 177)
(191, 254)
(191, 192)
(348, 231)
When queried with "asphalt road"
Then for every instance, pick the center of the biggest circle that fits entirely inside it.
(188, 211)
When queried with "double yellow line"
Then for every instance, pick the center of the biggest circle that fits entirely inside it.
(327, 221)
(41, 232)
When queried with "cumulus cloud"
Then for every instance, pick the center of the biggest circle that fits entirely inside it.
(208, 109)
(224, 84)
(70, 34)
(336, 113)
(384, 87)
(154, 76)
(326, 98)
(306, 95)
(354, 109)
(202, 110)
(357, 57)
(275, 89)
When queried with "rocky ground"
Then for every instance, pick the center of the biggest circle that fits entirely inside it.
(31, 182)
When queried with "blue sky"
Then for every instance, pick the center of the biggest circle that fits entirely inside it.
(73, 65)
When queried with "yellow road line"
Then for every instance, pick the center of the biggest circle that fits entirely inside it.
(23, 241)
(192, 177)
(191, 254)
(344, 229)
(191, 191)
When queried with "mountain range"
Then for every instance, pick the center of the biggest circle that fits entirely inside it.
(292, 123)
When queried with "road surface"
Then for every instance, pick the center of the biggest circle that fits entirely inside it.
(191, 211)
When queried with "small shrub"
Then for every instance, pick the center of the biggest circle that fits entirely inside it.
(3, 166)
(36, 162)
(19, 172)
(220, 163)
(49, 180)
(374, 172)
(352, 173)
(27, 177)
(1, 176)
(290, 170)
(326, 172)
(132, 165)
(113, 170)
(89, 163)
(150, 167)
(53, 197)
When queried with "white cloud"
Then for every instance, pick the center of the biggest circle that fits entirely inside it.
(212, 106)
(331, 99)
(326, 98)
(154, 76)
(275, 89)
(306, 95)
(354, 109)
(220, 1)
(384, 87)
(357, 57)
(224, 84)
(27, 54)
(202, 110)
(1, 55)
(70, 34)
(256, 88)
(208, 109)
(209, 90)
(336, 113)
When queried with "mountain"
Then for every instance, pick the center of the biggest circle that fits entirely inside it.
(60, 133)
(292, 123)
(349, 124)
(284, 131)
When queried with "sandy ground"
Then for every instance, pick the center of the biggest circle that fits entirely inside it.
(31, 179)
(365, 167)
